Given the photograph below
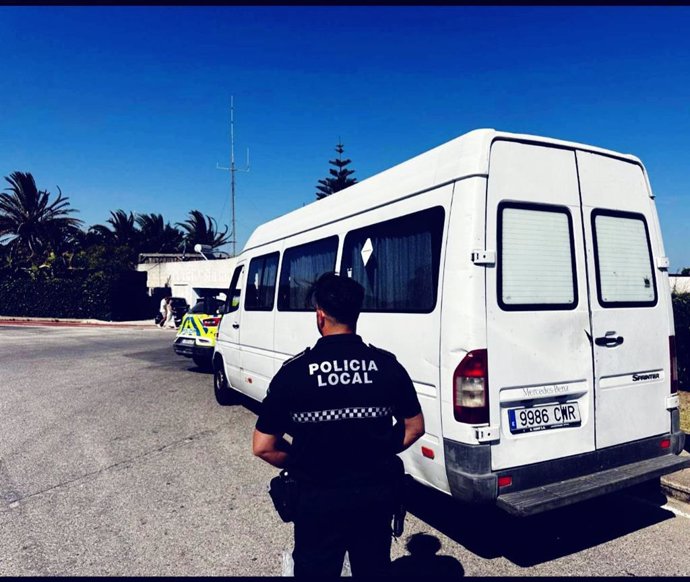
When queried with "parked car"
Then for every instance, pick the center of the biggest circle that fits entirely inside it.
(196, 336)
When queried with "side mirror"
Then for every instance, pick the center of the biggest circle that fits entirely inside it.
(221, 309)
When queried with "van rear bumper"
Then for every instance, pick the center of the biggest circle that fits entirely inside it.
(565, 480)
(550, 496)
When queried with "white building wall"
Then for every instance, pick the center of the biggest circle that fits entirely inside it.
(679, 283)
(188, 278)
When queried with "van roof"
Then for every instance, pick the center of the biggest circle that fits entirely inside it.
(462, 157)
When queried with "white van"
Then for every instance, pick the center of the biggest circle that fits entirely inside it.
(523, 284)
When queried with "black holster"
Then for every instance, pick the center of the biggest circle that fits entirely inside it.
(283, 491)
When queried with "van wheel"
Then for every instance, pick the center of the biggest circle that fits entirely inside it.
(224, 394)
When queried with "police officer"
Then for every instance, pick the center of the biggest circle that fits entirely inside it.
(338, 400)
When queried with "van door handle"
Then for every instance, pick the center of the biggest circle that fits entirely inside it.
(608, 341)
(236, 326)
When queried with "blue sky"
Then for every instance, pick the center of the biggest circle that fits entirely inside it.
(128, 107)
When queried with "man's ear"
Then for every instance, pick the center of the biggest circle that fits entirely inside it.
(320, 318)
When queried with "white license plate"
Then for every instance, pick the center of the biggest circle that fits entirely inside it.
(535, 418)
(186, 341)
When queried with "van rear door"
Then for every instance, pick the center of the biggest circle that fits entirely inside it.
(629, 301)
(538, 326)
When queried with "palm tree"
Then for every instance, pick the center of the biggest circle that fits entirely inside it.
(200, 229)
(79, 245)
(122, 231)
(30, 223)
(157, 236)
(122, 238)
(83, 239)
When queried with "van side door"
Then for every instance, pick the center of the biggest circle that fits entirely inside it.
(228, 338)
(258, 321)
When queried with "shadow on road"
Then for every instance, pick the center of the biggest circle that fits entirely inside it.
(161, 357)
(248, 403)
(165, 357)
(490, 532)
(200, 370)
(423, 561)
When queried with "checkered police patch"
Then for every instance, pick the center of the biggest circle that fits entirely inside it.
(342, 414)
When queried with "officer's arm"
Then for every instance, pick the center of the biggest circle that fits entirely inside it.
(271, 448)
(414, 429)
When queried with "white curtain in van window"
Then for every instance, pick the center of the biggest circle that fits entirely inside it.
(268, 282)
(305, 266)
(397, 261)
(536, 258)
(398, 274)
(625, 269)
(261, 283)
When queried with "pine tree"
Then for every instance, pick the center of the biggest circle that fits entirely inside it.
(340, 177)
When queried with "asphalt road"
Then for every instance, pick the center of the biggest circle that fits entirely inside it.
(116, 460)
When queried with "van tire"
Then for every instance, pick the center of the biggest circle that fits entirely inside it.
(225, 395)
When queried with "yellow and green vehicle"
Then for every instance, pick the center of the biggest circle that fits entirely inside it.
(196, 336)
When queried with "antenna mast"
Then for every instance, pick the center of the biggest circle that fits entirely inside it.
(233, 169)
(232, 172)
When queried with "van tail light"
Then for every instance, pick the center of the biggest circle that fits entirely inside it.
(471, 388)
(674, 363)
(210, 322)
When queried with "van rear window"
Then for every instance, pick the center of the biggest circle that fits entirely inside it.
(397, 262)
(623, 258)
(536, 258)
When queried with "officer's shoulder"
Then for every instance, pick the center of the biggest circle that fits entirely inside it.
(296, 357)
(383, 352)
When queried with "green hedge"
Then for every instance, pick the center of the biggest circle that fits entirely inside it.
(110, 297)
(681, 316)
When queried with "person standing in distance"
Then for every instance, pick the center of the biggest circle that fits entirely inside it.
(337, 400)
(163, 309)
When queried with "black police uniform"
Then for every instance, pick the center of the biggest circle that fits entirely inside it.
(337, 400)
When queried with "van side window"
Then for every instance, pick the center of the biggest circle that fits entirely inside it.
(397, 262)
(302, 266)
(261, 283)
(536, 258)
(232, 302)
(623, 259)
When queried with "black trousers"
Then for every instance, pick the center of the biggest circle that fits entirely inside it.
(331, 521)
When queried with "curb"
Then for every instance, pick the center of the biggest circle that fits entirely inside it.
(54, 321)
(677, 485)
(673, 489)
